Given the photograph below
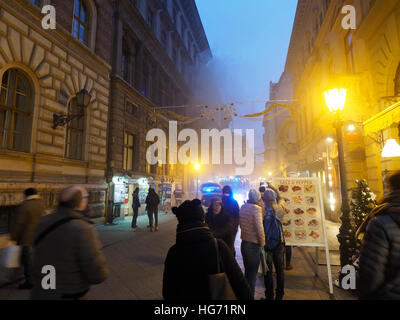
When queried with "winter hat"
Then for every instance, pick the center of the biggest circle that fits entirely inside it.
(269, 195)
(254, 196)
(227, 190)
(189, 212)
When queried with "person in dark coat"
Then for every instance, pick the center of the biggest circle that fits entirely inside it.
(67, 240)
(221, 224)
(379, 263)
(152, 202)
(231, 207)
(288, 249)
(135, 207)
(193, 258)
(28, 214)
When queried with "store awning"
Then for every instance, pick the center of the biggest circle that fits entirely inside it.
(383, 119)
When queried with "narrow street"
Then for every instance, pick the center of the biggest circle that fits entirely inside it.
(136, 263)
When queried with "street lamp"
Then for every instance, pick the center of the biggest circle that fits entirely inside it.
(83, 98)
(336, 99)
(197, 168)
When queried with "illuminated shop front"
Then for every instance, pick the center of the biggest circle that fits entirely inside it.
(382, 134)
(124, 186)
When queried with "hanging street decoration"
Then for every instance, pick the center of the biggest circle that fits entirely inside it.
(227, 111)
(209, 113)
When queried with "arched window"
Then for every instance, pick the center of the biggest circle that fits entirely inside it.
(74, 147)
(397, 83)
(80, 26)
(16, 106)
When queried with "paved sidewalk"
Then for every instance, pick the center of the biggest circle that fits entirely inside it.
(136, 263)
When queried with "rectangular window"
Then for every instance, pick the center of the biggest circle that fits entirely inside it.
(129, 149)
(146, 91)
(80, 24)
(132, 110)
(125, 63)
(75, 133)
(164, 38)
(350, 53)
(150, 17)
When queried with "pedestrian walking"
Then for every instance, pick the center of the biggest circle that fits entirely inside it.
(379, 262)
(28, 214)
(231, 207)
(67, 241)
(274, 247)
(221, 224)
(152, 202)
(135, 207)
(252, 235)
(193, 258)
(280, 212)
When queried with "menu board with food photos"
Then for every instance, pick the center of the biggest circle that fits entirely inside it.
(303, 222)
(304, 218)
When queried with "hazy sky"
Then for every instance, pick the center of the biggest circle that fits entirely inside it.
(249, 40)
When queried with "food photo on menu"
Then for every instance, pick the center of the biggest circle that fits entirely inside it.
(283, 188)
(300, 234)
(314, 223)
(314, 235)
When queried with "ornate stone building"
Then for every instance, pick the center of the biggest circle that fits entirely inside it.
(323, 55)
(42, 71)
(158, 46)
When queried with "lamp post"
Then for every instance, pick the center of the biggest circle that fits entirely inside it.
(197, 168)
(335, 99)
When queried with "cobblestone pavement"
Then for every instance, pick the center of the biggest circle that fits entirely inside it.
(136, 262)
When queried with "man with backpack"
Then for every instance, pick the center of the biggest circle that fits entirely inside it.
(274, 247)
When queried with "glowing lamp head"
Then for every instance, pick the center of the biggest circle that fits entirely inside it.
(197, 167)
(391, 149)
(335, 99)
(351, 127)
(329, 140)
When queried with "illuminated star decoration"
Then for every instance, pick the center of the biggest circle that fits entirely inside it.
(209, 113)
(228, 111)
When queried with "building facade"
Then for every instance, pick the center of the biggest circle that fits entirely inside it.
(366, 61)
(279, 130)
(42, 71)
(158, 49)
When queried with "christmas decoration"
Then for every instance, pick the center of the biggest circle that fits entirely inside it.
(209, 113)
(227, 111)
(363, 200)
